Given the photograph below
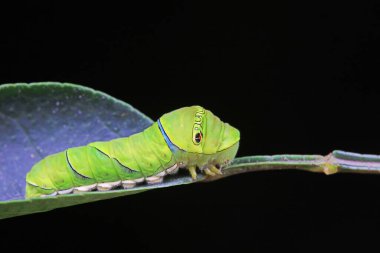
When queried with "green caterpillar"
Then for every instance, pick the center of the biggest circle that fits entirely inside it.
(190, 137)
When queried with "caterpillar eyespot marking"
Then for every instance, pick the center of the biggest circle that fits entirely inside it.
(190, 137)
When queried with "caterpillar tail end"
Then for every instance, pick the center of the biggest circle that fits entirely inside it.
(32, 191)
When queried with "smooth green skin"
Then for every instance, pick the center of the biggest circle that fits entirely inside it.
(140, 155)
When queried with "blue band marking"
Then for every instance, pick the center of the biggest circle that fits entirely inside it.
(171, 145)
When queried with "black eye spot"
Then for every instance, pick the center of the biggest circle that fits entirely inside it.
(198, 137)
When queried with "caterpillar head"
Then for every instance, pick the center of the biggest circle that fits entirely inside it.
(198, 131)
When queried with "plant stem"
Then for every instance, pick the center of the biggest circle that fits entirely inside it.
(336, 161)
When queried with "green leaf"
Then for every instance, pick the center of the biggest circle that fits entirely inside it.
(43, 118)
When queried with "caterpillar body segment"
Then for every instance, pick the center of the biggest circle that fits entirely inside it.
(102, 162)
(190, 137)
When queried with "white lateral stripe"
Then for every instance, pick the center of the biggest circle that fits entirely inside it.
(172, 169)
(85, 188)
(110, 185)
(49, 195)
(66, 191)
(154, 179)
(161, 174)
(128, 182)
(139, 180)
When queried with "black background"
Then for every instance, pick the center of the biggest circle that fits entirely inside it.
(294, 78)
